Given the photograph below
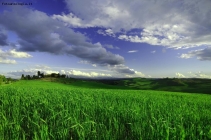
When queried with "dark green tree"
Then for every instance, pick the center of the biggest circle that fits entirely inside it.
(22, 77)
(53, 74)
(28, 77)
(9, 79)
(42, 75)
(38, 73)
(63, 76)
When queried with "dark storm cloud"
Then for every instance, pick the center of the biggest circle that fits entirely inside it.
(126, 70)
(34, 29)
(204, 54)
(122, 69)
(3, 38)
(39, 32)
(97, 55)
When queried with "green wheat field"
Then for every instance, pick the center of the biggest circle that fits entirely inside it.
(41, 110)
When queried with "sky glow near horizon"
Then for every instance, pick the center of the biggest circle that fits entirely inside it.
(105, 39)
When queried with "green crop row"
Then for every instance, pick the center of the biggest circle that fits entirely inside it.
(88, 114)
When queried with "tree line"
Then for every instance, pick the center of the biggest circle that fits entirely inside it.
(42, 75)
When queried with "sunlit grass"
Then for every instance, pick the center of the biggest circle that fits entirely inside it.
(53, 111)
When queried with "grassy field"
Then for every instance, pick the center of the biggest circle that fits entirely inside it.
(42, 110)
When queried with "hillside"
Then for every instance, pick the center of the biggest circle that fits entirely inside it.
(189, 85)
(175, 85)
(166, 84)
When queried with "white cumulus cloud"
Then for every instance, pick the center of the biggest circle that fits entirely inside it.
(180, 75)
(7, 61)
(172, 23)
(6, 55)
(107, 32)
(133, 51)
(153, 51)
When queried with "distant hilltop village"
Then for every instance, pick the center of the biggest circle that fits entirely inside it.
(41, 75)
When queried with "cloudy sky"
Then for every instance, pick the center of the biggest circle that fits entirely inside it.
(106, 38)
